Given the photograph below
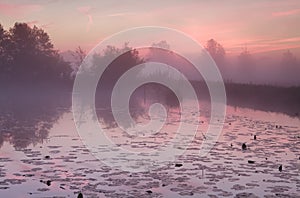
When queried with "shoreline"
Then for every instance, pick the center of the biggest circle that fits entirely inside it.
(258, 97)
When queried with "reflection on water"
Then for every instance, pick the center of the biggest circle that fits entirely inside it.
(139, 103)
(42, 155)
(27, 119)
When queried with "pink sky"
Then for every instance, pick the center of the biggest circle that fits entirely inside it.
(261, 25)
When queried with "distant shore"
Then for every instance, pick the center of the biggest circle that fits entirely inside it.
(259, 97)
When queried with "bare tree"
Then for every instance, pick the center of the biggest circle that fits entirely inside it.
(78, 56)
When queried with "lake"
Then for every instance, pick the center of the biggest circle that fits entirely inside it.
(42, 155)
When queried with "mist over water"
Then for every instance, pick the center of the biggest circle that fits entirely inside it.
(280, 68)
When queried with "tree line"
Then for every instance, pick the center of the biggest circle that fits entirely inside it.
(28, 56)
(248, 68)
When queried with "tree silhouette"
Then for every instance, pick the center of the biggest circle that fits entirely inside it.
(28, 56)
(127, 58)
(216, 50)
(245, 58)
(162, 44)
(28, 120)
(3, 38)
(124, 58)
(78, 56)
(246, 66)
(288, 59)
(289, 68)
(5, 57)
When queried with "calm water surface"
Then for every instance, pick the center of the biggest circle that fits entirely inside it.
(42, 155)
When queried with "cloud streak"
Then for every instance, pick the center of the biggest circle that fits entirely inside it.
(37, 23)
(266, 45)
(286, 13)
(120, 14)
(86, 11)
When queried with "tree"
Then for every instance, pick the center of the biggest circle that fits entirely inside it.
(245, 58)
(162, 44)
(216, 50)
(3, 38)
(34, 57)
(5, 57)
(290, 68)
(78, 57)
(288, 59)
(246, 66)
(124, 58)
(127, 58)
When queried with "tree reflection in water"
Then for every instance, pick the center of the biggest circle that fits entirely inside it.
(26, 118)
